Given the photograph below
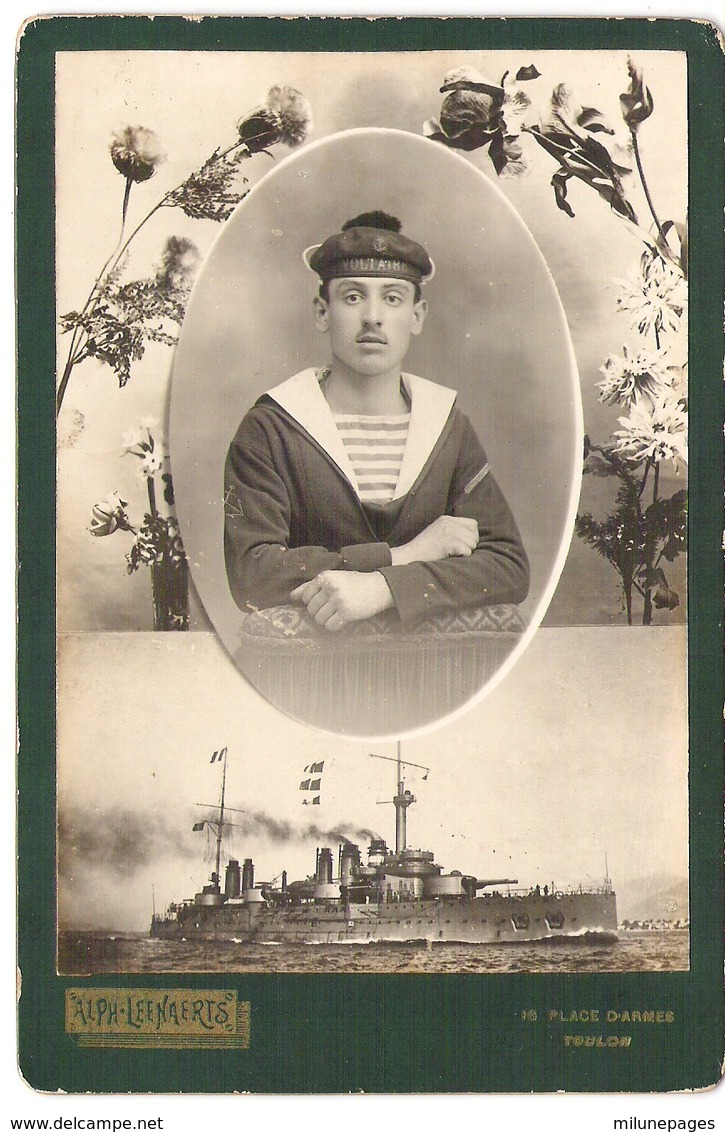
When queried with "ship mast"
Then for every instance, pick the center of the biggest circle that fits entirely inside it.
(403, 798)
(401, 801)
(217, 873)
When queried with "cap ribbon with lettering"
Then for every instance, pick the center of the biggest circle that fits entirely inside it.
(370, 245)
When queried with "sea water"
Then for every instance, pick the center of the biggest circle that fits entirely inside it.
(92, 953)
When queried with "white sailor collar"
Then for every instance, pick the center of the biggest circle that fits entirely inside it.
(430, 408)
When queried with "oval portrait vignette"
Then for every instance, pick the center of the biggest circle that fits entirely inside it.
(349, 402)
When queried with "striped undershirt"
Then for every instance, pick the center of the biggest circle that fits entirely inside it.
(375, 447)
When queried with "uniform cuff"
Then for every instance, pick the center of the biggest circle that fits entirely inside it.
(366, 556)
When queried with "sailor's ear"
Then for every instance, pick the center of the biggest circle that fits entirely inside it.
(321, 319)
(420, 310)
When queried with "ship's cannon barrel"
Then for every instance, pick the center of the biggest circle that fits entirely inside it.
(485, 883)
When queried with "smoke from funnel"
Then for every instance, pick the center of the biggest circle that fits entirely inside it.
(116, 839)
(122, 841)
(279, 831)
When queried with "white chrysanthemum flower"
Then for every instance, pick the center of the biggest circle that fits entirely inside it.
(627, 378)
(654, 430)
(656, 299)
(677, 381)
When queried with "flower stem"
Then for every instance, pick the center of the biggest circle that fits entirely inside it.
(110, 265)
(230, 149)
(124, 209)
(63, 384)
(643, 179)
(650, 546)
(152, 495)
(643, 485)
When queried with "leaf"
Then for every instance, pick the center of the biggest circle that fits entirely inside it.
(432, 129)
(558, 182)
(593, 120)
(70, 321)
(525, 74)
(580, 156)
(664, 246)
(666, 519)
(596, 465)
(207, 194)
(169, 488)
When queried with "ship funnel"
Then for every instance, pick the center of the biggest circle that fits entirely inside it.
(324, 866)
(248, 875)
(232, 880)
(349, 862)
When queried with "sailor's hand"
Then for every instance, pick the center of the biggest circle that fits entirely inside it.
(450, 536)
(336, 597)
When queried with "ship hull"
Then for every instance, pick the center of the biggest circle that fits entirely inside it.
(494, 918)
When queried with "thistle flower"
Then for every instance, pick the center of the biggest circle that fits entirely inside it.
(109, 515)
(136, 152)
(286, 117)
(656, 299)
(627, 378)
(655, 430)
(180, 259)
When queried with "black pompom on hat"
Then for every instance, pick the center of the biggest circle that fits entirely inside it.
(370, 244)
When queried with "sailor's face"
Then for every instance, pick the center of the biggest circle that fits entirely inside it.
(370, 322)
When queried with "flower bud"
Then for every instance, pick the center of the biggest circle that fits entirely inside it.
(136, 152)
(108, 516)
(665, 598)
(637, 103)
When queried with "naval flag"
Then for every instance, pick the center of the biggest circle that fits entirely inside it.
(311, 783)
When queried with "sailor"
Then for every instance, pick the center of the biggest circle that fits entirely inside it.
(358, 487)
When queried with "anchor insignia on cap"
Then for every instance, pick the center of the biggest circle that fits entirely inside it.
(379, 244)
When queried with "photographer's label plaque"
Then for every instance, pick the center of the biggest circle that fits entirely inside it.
(156, 1017)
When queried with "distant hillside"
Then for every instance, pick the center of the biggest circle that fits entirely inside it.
(655, 897)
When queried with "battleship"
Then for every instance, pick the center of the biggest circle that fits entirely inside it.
(395, 896)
